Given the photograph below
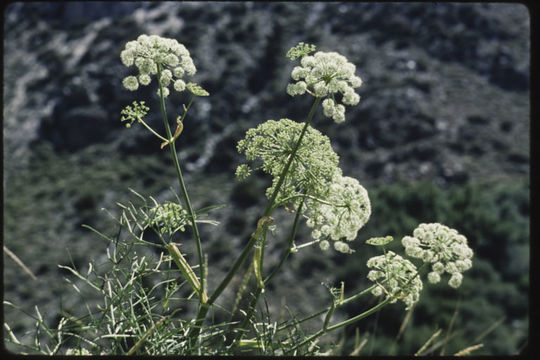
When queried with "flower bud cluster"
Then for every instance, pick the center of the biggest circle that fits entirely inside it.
(444, 248)
(134, 113)
(242, 172)
(168, 217)
(326, 74)
(344, 211)
(396, 277)
(314, 166)
(300, 50)
(148, 53)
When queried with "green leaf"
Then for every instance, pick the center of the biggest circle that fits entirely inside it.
(196, 89)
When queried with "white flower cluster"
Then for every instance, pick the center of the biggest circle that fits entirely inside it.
(326, 74)
(396, 277)
(148, 53)
(336, 206)
(314, 165)
(442, 246)
(344, 211)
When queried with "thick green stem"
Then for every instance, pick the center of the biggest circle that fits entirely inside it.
(255, 299)
(181, 181)
(203, 310)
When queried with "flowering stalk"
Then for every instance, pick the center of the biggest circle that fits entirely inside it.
(168, 60)
(181, 179)
(152, 130)
(314, 173)
(389, 299)
(292, 197)
(203, 310)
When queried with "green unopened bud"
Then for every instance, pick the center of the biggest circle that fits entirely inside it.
(242, 172)
(300, 50)
(134, 112)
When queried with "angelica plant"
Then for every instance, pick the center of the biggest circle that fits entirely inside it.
(306, 180)
(167, 60)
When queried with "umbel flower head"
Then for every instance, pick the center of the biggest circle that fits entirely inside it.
(148, 53)
(168, 217)
(327, 75)
(312, 170)
(345, 210)
(130, 114)
(444, 248)
(396, 277)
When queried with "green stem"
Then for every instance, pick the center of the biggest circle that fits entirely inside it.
(343, 323)
(360, 316)
(345, 301)
(269, 208)
(356, 318)
(151, 130)
(329, 316)
(255, 299)
(181, 180)
(287, 251)
(203, 310)
(285, 200)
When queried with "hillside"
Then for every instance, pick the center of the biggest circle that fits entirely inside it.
(444, 111)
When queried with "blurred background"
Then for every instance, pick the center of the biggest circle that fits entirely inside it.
(441, 135)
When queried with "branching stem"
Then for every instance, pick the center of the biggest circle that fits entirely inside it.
(150, 129)
(181, 180)
(255, 299)
(203, 310)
